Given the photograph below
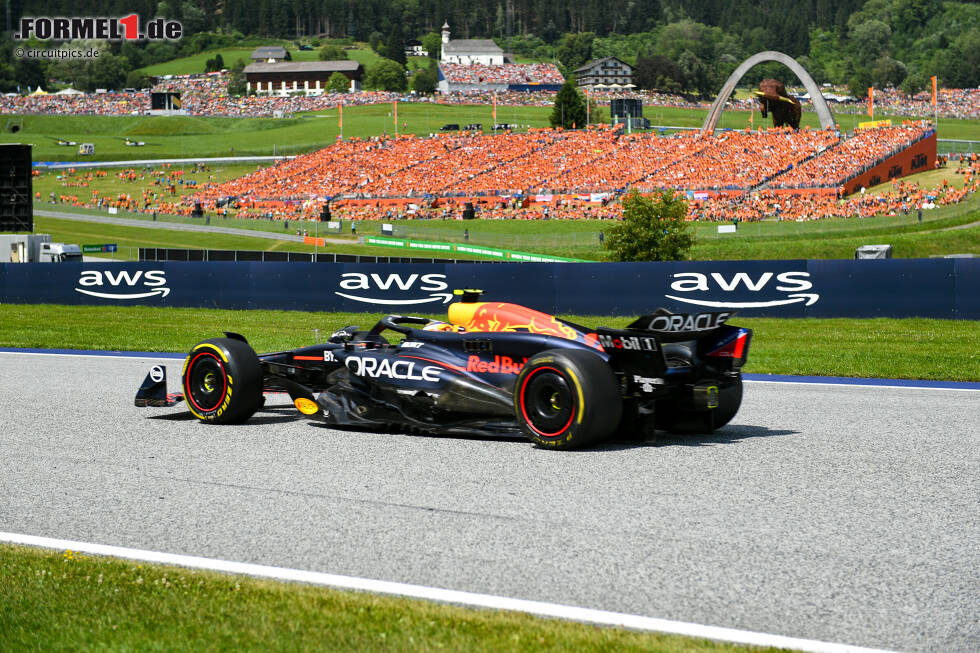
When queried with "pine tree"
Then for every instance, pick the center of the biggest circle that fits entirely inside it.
(395, 45)
(569, 111)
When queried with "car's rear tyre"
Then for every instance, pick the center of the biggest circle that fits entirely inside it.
(671, 419)
(567, 398)
(729, 401)
(222, 381)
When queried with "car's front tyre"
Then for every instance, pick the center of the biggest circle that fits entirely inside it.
(222, 381)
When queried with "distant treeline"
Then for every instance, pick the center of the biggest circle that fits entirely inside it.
(678, 46)
(779, 24)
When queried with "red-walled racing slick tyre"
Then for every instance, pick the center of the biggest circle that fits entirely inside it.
(567, 398)
(223, 381)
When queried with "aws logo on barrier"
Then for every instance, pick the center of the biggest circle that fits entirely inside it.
(385, 288)
(121, 284)
(725, 289)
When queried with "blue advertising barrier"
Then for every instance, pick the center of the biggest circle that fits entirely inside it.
(937, 288)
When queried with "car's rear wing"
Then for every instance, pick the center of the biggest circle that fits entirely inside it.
(641, 344)
(677, 327)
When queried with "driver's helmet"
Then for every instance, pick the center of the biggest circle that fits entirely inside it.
(435, 325)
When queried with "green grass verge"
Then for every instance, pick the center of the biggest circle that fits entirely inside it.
(913, 240)
(54, 181)
(196, 63)
(187, 136)
(66, 601)
(190, 137)
(874, 348)
(575, 239)
(819, 239)
(130, 239)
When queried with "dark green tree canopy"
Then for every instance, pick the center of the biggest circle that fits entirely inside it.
(386, 75)
(432, 43)
(569, 111)
(659, 73)
(338, 83)
(332, 53)
(425, 79)
(574, 50)
(842, 41)
(395, 45)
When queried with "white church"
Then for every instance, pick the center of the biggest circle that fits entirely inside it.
(470, 51)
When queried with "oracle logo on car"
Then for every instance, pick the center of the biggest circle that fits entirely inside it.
(98, 283)
(401, 370)
(389, 284)
(791, 285)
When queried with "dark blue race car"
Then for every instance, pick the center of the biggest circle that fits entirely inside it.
(493, 369)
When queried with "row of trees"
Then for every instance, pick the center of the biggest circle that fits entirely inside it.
(885, 43)
(690, 47)
(783, 23)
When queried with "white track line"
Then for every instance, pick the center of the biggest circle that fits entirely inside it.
(148, 357)
(469, 599)
(862, 385)
(155, 356)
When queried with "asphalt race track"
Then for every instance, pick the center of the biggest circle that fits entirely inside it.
(830, 512)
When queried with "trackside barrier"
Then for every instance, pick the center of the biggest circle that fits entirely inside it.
(430, 246)
(936, 288)
(165, 254)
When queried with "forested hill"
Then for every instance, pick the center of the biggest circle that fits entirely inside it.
(782, 24)
(694, 43)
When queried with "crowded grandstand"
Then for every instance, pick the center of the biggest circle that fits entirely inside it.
(545, 173)
(207, 95)
(743, 175)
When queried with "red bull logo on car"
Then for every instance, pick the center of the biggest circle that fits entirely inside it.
(499, 365)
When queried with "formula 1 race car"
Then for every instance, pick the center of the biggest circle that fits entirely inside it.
(493, 369)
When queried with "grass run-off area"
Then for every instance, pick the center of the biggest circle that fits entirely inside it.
(873, 348)
(949, 230)
(67, 601)
(130, 239)
(940, 233)
(188, 136)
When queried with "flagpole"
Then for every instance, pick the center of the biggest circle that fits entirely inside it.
(341, 120)
(395, 103)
